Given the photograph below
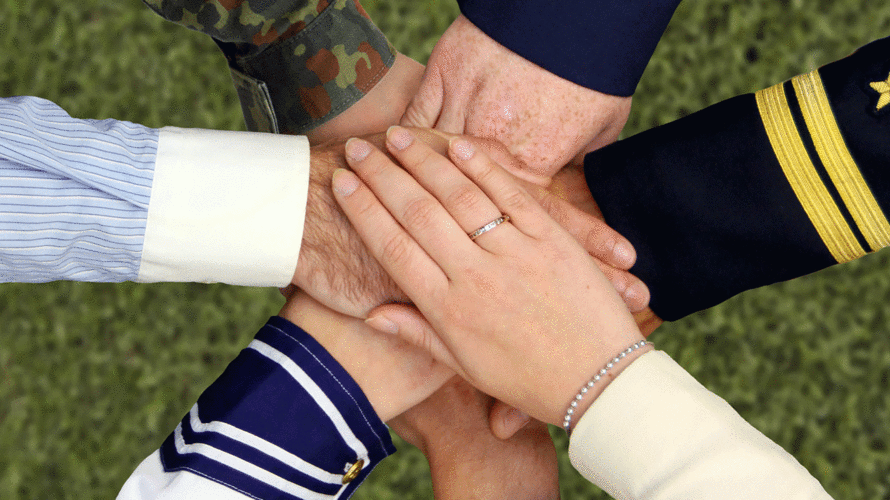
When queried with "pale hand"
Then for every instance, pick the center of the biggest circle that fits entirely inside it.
(522, 312)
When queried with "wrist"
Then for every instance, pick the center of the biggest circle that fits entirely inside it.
(585, 395)
(382, 106)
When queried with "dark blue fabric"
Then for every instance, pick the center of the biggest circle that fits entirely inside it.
(603, 45)
(707, 205)
(258, 396)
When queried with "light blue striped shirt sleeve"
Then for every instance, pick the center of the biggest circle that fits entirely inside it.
(74, 194)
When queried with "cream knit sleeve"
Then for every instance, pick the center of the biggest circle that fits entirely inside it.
(656, 433)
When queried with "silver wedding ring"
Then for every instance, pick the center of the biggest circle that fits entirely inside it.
(488, 227)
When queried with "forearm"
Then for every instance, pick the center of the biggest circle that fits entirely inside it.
(114, 201)
(295, 63)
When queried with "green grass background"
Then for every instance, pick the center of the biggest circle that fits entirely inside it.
(94, 376)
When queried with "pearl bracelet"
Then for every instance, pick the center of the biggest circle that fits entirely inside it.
(567, 423)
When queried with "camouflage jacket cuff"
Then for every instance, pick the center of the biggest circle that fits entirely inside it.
(301, 82)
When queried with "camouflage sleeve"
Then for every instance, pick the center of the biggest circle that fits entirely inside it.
(295, 63)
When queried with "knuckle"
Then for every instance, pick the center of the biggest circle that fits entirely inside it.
(397, 249)
(464, 196)
(484, 173)
(367, 210)
(423, 155)
(597, 241)
(553, 206)
(515, 199)
(419, 212)
(375, 164)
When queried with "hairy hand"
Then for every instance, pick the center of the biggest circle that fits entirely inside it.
(334, 266)
(467, 461)
(475, 86)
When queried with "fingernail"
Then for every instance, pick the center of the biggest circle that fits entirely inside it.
(382, 324)
(637, 296)
(357, 149)
(344, 182)
(624, 254)
(399, 138)
(462, 148)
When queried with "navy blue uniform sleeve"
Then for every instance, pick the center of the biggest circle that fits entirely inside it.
(603, 45)
(757, 189)
(283, 421)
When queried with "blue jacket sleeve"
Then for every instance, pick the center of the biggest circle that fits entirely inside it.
(603, 45)
(283, 421)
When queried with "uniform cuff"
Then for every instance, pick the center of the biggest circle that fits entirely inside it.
(655, 432)
(305, 80)
(284, 420)
(604, 45)
(226, 207)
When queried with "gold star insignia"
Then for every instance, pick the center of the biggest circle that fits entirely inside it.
(884, 89)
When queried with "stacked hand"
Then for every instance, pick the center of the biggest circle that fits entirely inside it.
(336, 268)
(522, 312)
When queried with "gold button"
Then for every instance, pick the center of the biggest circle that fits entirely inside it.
(353, 472)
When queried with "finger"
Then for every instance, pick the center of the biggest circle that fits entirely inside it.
(505, 420)
(463, 199)
(647, 321)
(422, 216)
(632, 290)
(498, 152)
(426, 105)
(600, 240)
(453, 118)
(411, 268)
(505, 191)
(410, 325)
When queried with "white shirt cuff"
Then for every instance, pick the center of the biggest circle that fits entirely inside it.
(226, 207)
(656, 433)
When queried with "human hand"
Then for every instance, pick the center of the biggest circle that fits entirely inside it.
(336, 268)
(475, 86)
(393, 374)
(522, 313)
(466, 460)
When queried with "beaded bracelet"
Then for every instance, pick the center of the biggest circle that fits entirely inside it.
(596, 378)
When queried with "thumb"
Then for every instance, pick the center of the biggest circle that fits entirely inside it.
(426, 105)
(505, 420)
(407, 322)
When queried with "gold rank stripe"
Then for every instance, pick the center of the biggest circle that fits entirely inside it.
(801, 174)
(837, 160)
